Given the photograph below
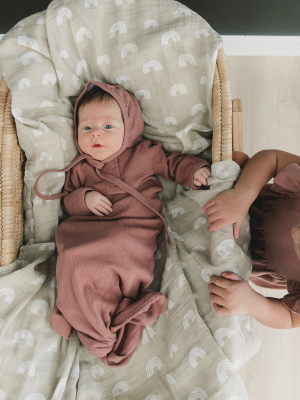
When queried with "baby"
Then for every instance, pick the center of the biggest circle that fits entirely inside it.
(275, 239)
(106, 248)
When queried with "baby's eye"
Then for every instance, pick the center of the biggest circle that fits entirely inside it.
(108, 127)
(86, 128)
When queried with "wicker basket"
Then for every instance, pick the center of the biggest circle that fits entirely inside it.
(11, 157)
(11, 182)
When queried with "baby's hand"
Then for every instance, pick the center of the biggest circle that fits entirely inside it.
(97, 203)
(201, 176)
(232, 295)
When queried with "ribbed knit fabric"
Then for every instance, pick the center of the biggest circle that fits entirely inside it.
(105, 264)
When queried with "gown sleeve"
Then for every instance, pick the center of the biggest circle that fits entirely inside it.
(176, 167)
(73, 203)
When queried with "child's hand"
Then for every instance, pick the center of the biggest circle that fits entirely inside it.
(97, 203)
(201, 176)
(229, 207)
(233, 295)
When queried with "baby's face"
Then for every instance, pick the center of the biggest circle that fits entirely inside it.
(296, 238)
(100, 129)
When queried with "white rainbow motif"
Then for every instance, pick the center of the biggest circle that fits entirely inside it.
(169, 35)
(120, 387)
(26, 58)
(168, 264)
(198, 247)
(63, 12)
(49, 246)
(53, 347)
(198, 107)
(24, 334)
(103, 59)
(40, 21)
(83, 32)
(170, 379)
(145, 93)
(147, 333)
(222, 367)
(36, 396)
(59, 75)
(122, 79)
(129, 47)
(183, 265)
(61, 369)
(60, 387)
(145, 119)
(88, 3)
(195, 353)
(149, 23)
(170, 120)
(198, 394)
(177, 237)
(206, 274)
(150, 397)
(23, 83)
(173, 350)
(169, 146)
(186, 58)
(49, 78)
(82, 64)
(23, 40)
(8, 293)
(63, 54)
(155, 362)
(75, 372)
(63, 143)
(199, 221)
(76, 82)
(54, 283)
(221, 333)
(152, 64)
(170, 304)
(40, 305)
(200, 143)
(40, 279)
(189, 316)
(201, 32)
(222, 248)
(2, 395)
(45, 156)
(16, 112)
(27, 365)
(118, 26)
(179, 87)
(177, 211)
(29, 175)
(45, 104)
(97, 371)
(184, 131)
(157, 255)
(182, 10)
(181, 280)
(203, 80)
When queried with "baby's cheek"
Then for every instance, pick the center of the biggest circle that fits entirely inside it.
(296, 238)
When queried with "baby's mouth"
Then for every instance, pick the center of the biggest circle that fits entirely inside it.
(97, 145)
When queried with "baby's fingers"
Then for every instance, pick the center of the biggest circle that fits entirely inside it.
(215, 225)
(103, 199)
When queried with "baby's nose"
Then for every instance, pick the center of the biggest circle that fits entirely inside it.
(96, 132)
